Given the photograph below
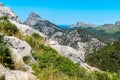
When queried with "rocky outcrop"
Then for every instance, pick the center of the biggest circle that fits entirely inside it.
(32, 19)
(19, 50)
(81, 40)
(6, 11)
(71, 53)
(83, 25)
(117, 23)
(18, 75)
(44, 26)
(26, 30)
(2, 70)
(15, 74)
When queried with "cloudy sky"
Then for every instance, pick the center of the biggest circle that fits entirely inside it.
(68, 11)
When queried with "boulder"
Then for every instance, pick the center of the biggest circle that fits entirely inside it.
(26, 30)
(19, 50)
(18, 75)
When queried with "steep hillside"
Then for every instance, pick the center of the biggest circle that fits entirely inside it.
(110, 32)
(79, 39)
(25, 57)
(107, 59)
(26, 54)
(44, 26)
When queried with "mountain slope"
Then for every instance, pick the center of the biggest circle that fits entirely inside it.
(24, 55)
(44, 26)
(81, 40)
(107, 58)
(110, 32)
(71, 38)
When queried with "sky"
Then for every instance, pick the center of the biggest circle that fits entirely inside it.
(68, 12)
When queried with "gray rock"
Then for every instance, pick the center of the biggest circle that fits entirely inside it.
(19, 50)
(18, 75)
(15, 74)
(44, 26)
(117, 23)
(2, 70)
(26, 30)
(6, 11)
(71, 53)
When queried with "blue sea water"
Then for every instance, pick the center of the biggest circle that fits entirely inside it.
(64, 26)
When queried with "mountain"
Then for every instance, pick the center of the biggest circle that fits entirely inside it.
(83, 25)
(28, 54)
(73, 38)
(44, 26)
(82, 40)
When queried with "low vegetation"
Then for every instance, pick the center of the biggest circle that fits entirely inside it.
(107, 59)
(5, 56)
(7, 28)
(50, 65)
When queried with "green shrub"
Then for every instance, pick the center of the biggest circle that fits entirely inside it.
(7, 28)
(5, 57)
(107, 59)
(36, 35)
(26, 59)
(50, 59)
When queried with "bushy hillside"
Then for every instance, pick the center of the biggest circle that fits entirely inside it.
(108, 32)
(107, 59)
(50, 65)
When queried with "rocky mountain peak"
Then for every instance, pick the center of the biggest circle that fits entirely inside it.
(35, 16)
(117, 23)
(44, 26)
(33, 19)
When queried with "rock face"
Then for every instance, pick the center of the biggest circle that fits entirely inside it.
(6, 11)
(81, 40)
(117, 23)
(18, 75)
(83, 25)
(26, 30)
(71, 53)
(15, 74)
(20, 49)
(44, 26)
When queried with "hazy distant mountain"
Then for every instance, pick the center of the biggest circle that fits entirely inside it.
(82, 25)
(109, 32)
